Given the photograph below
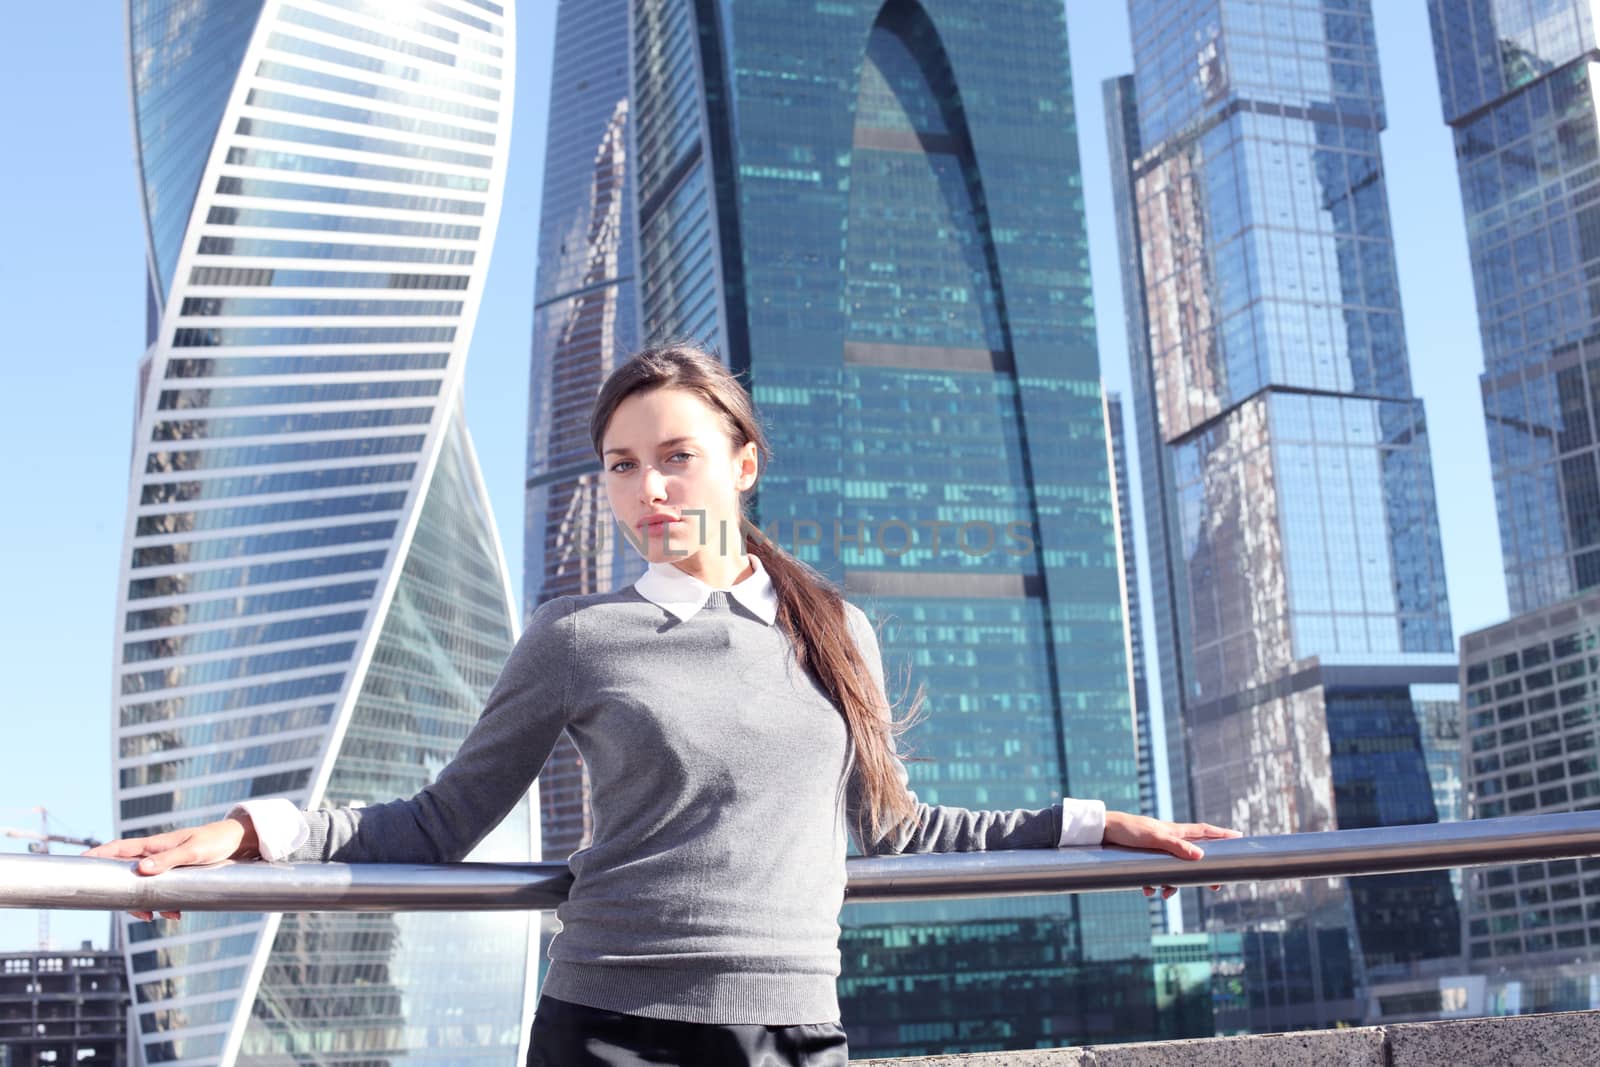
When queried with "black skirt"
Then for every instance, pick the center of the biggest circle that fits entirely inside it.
(575, 1035)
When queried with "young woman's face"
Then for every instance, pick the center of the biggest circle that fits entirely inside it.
(673, 477)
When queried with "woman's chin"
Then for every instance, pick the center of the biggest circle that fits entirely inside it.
(657, 552)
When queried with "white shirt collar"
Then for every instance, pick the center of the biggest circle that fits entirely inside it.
(668, 586)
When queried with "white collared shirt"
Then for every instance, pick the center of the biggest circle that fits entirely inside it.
(668, 586)
(280, 828)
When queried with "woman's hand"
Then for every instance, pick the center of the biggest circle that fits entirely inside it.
(1141, 831)
(195, 846)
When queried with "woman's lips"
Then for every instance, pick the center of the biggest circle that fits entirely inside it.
(654, 522)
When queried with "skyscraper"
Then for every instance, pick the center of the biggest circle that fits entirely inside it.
(1518, 87)
(1529, 692)
(585, 322)
(1128, 553)
(1289, 490)
(873, 211)
(314, 603)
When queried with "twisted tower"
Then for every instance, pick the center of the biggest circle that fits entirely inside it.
(313, 602)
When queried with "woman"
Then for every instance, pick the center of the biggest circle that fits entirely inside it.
(730, 708)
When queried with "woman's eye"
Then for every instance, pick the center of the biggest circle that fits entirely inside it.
(621, 465)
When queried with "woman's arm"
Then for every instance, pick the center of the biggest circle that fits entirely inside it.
(505, 749)
(942, 828)
(934, 828)
(492, 770)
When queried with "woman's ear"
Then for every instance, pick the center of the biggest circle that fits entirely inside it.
(748, 466)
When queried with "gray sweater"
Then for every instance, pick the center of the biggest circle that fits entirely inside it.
(711, 891)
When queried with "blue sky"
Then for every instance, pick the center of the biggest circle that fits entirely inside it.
(72, 284)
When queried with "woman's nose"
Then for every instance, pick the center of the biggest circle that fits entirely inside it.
(652, 485)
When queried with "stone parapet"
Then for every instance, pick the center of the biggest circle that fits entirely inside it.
(1563, 1039)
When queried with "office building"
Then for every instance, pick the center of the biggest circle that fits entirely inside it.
(1128, 553)
(313, 602)
(1200, 989)
(1528, 688)
(1302, 615)
(585, 322)
(1517, 82)
(1517, 86)
(873, 212)
(64, 1007)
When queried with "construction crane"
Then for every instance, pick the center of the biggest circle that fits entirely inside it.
(39, 844)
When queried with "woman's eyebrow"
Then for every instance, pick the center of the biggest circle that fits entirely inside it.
(671, 442)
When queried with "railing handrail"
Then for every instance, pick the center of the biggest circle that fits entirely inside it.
(94, 884)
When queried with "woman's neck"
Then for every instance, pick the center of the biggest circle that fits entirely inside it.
(719, 572)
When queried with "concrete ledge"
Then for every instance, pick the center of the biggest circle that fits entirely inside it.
(1565, 1039)
(1569, 1037)
(1306, 1048)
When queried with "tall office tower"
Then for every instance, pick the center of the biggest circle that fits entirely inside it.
(1518, 84)
(873, 211)
(314, 603)
(585, 322)
(1529, 690)
(1128, 553)
(1287, 471)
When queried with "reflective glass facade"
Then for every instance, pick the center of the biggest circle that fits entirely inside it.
(1518, 83)
(1304, 621)
(1128, 553)
(677, 87)
(1438, 708)
(186, 57)
(1168, 599)
(314, 605)
(586, 321)
(392, 985)
(946, 380)
(1200, 989)
(874, 211)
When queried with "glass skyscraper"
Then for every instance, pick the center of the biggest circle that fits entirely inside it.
(585, 321)
(1143, 725)
(1300, 603)
(873, 211)
(313, 603)
(1518, 82)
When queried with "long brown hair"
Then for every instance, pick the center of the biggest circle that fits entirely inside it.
(810, 607)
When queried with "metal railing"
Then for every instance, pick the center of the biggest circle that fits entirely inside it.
(93, 884)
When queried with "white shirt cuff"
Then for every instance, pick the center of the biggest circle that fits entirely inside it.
(280, 827)
(1083, 822)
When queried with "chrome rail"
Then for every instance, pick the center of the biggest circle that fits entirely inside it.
(93, 884)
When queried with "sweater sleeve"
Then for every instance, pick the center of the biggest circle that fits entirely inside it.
(493, 769)
(942, 828)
